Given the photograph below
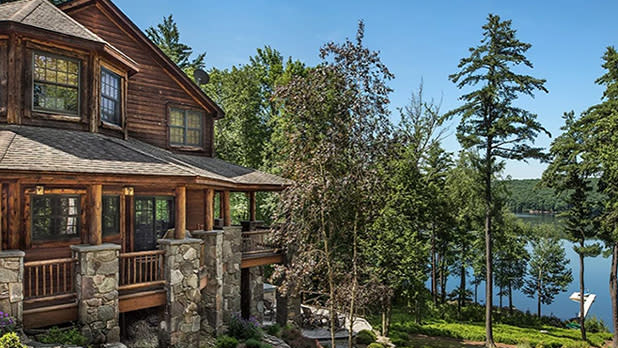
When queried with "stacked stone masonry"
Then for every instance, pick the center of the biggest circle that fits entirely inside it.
(182, 320)
(97, 291)
(11, 283)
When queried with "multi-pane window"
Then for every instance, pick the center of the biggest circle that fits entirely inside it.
(55, 217)
(110, 97)
(186, 127)
(111, 215)
(55, 84)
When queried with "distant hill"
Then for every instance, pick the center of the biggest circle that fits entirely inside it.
(526, 195)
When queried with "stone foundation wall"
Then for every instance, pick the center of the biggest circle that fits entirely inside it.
(11, 283)
(212, 294)
(181, 324)
(97, 291)
(257, 292)
(232, 257)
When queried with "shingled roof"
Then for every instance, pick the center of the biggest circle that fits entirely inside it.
(44, 15)
(25, 148)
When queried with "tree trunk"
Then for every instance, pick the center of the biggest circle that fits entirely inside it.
(386, 317)
(354, 285)
(539, 288)
(462, 289)
(582, 319)
(614, 293)
(489, 335)
(443, 278)
(501, 295)
(476, 291)
(510, 298)
(434, 280)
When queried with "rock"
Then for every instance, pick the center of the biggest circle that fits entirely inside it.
(276, 342)
(142, 335)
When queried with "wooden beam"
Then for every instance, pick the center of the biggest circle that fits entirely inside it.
(227, 216)
(267, 259)
(2, 218)
(209, 209)
(181, 212)
(95, 214)
(14, 215)
(252, 206)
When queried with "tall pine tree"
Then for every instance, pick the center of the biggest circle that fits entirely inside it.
(491, 122)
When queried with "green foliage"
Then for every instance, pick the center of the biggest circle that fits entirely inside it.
(167, 37)
(243, 329)
(594, 324)
(273, 330)
(366, 337)
(11, 340)
(253, 343)
(63, 336)
(375, 345)
(225, 341)
(548, 274)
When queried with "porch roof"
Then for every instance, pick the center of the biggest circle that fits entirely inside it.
(37, 149)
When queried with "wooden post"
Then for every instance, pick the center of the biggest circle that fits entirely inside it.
(252, 207)
(181, 212)
(95, 214)
(227, 216)
(14, 215)
(209, 209)
(2, 218)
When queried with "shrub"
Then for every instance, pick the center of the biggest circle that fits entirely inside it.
(594, 324)
(7, 323)
(226, 342)
(579, 344)
(273, 330)
(10, 340)
(365, 337)
(375, 345)
(253, 343)
(244, 329)
(68, 336)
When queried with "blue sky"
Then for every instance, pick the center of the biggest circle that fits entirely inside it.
(417, 40)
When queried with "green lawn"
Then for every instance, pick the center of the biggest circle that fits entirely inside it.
(404, 333)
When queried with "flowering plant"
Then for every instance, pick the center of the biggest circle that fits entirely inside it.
(7, 323)
(244, 328)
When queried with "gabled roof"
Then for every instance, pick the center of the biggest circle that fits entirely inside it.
(139, 34)
(42, 14)
(49, 150)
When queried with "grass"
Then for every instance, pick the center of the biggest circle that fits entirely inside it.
(405, 333)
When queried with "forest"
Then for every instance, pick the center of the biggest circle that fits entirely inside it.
(380, 217)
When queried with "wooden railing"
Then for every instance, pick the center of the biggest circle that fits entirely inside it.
(142, 269)
(255, 242)
(49, 280)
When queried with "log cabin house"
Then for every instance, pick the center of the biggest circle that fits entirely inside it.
(106, 161)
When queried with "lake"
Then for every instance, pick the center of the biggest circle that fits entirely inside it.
(596, 280)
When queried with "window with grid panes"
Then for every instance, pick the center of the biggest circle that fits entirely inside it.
(55, 85)
(186, 127)
(110, 97)
(111, 215)
(55, 217)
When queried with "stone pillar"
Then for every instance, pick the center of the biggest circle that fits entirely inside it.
(257, 292)
(181, 324)
(212, 294)
(12, 283)
(96, 283)
(232, 257)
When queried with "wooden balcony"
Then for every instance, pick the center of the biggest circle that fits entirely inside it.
(141, 283)
(256, 249)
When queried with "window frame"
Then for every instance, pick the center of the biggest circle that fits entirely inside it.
(77, 216)
(185, 110)
(77, 114)
(119, 107)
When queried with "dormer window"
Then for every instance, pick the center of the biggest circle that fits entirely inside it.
(186, 127)
(55, 84)
(110, 97)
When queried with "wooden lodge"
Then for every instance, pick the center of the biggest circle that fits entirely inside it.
(106, 148)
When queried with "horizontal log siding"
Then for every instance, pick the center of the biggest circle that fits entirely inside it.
(150, 90)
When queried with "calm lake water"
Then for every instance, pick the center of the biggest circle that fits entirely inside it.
(596, 280)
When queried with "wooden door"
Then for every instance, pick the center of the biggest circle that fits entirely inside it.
(153, 217)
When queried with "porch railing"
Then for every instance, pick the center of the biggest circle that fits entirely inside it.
(49, 280)
(256, 242)
(142, 269)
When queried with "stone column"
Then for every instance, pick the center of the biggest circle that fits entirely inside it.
(12, 283)
(181, 324)
(232, 257)
(257, 292)
(96, 283)
(212, 294)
